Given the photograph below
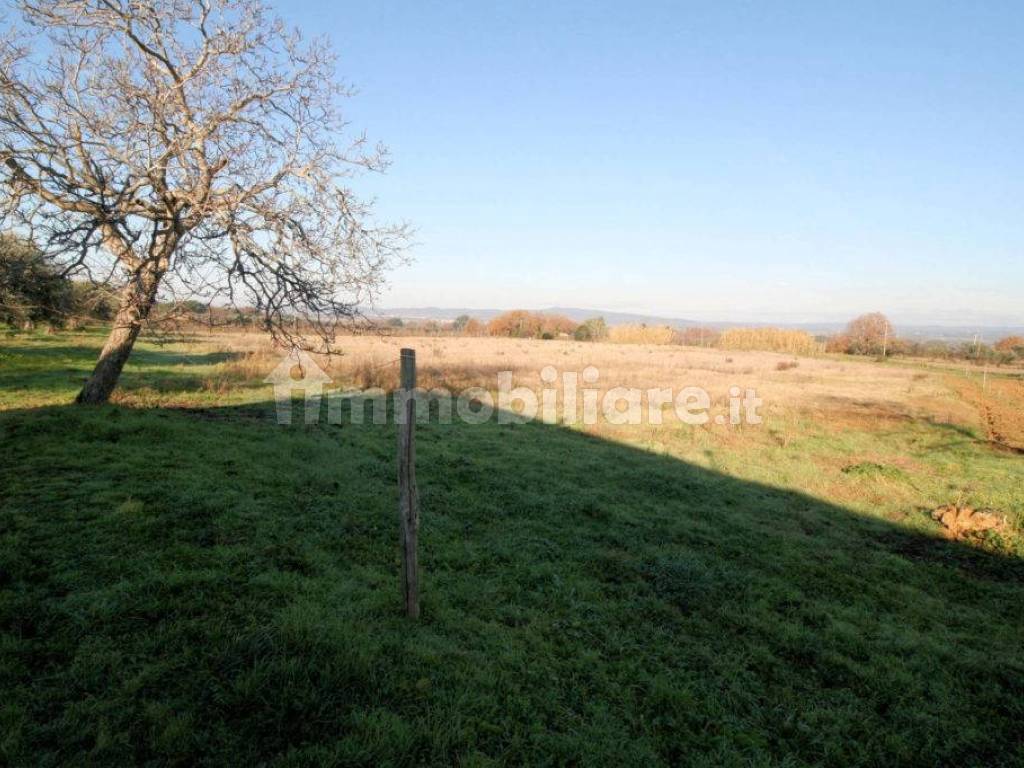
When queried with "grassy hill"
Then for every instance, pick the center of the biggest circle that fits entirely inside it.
(185, 582)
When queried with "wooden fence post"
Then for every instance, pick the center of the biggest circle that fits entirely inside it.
(408, 498)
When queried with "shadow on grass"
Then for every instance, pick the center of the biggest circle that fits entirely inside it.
(83, 353)
(205, 586)
(54, 367)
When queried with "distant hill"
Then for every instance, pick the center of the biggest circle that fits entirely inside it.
(908, 331)
(573, 313)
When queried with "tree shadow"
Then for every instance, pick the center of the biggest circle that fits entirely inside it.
(83, 353)
(56, 367)
(204, 585)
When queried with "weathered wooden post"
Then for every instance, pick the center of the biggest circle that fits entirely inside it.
(408, 498)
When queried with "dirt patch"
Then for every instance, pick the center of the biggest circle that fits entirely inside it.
(859, 413)
(1000, 402)
(960, 522)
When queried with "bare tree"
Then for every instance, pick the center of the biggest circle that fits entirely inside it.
(188, 148)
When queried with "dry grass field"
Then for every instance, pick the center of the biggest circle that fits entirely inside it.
(822, 415)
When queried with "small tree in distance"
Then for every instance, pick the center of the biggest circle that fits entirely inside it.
(594, 329)
(189, 148)
(869, 334)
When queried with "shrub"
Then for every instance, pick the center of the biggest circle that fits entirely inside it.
(31, 289)
(594, 329)
(839, 344)
(697, 337)
(930, 349)
(975, 351)
(1011, 345)
(98, 302)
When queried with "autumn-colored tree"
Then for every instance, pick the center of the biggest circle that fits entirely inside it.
(556, 325)
(1012, 345)
(518, 323)
(869, 334)
(522, 324)
(838, 344)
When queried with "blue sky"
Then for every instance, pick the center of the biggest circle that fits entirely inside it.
(731, 161)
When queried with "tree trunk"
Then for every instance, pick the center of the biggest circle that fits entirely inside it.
(137, 300)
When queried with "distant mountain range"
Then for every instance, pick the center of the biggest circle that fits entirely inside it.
(573, 313)
(920, 332)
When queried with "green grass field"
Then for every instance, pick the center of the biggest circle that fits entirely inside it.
(201, 586)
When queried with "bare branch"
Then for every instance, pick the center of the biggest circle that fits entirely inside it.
(186, 138)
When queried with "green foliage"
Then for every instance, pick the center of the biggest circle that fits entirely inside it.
(872, 469)
(974, 351)
(32, 290)
(461, 322)
(594, 329)
(195, 306)
(96, 302)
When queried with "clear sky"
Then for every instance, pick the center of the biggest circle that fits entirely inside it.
(720, 160)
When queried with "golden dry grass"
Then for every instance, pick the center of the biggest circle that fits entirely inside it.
(775, 339)
(836, 391)
(641, 334)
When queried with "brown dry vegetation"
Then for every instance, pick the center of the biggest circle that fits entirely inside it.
(522, 324)
(832, 390)
(641, 334)
(775, 339)
(1000, 402)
